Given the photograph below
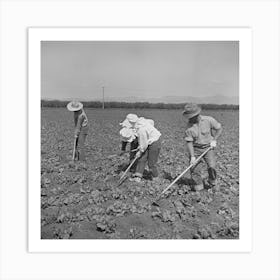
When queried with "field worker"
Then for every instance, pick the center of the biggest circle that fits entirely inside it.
(202, 132)
(129, 135)
(149, 148)
(81, 127)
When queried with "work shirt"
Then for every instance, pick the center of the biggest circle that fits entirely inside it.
(150, 121)
(147, 134)
(201, 133)
(81, 123)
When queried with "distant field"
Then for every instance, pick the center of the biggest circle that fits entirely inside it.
(82, 201)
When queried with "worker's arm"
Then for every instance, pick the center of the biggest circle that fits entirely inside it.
(218, 133)
(217, 128)
(79, 125)
(191, 151)
(189, 139)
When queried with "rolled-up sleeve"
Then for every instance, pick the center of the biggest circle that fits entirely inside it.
(214, 124)
(188, 136)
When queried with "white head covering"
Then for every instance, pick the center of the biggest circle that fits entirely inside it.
(130, 118)
(126, 123)
(127, 134)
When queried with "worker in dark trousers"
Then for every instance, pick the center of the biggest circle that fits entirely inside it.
(202, 132)
(149, 149)
(81, 128)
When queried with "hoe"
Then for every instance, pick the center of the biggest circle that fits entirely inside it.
(75, 149)
(187, 169)
(128, 168)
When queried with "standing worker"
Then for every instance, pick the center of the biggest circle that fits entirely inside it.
(81, 127)
(149, 148)
(202, 132)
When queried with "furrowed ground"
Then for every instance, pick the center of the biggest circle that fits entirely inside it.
(82, 201)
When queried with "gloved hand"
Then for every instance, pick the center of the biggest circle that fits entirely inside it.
(138, 154)
(192, 160)
(76, 136)
(213, 144)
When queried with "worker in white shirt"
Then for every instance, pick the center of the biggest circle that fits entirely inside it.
(129, 134)
(149, 148)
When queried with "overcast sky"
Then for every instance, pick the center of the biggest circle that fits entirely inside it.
(151, 69)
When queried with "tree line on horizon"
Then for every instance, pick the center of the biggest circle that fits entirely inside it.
(136, 105)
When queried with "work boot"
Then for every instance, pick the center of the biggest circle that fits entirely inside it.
(212, 183)
(209, 184)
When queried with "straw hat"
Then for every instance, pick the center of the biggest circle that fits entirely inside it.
(191, 110)
(74, 106)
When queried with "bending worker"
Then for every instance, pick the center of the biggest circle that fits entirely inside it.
(129, 135)
(149, 148)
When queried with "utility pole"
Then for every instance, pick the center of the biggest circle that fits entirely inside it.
(103, 98)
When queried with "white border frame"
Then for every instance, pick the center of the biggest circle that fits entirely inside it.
(243, 35)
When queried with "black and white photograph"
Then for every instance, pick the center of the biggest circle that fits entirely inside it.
(140, 139)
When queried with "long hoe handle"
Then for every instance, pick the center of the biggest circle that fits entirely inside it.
(127, 169)
(197, 160)
(74, 149)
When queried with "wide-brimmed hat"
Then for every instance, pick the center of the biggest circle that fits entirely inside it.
(74, 106)
(191, 110)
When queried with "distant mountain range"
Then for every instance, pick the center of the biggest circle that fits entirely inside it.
(217, 99)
